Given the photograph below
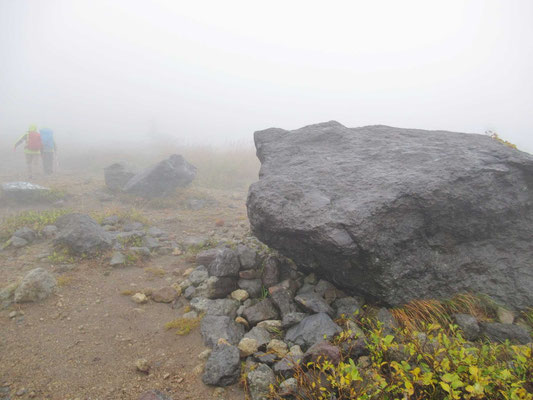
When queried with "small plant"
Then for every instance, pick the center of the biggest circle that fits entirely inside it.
(264, 293)
(183, 325)
(160, 272)
(63, 280)
(495, 136)
(60, 257)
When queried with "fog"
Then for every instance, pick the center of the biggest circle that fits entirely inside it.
(212, 72)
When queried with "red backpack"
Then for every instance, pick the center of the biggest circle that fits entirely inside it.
(34, 141)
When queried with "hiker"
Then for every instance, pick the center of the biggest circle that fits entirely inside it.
(48, 150)
(32, 148)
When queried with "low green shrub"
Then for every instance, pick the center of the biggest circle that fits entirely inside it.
(433, 364)
(35, 220)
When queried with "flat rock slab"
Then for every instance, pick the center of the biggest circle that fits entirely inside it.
(24, 191)
(397, 214)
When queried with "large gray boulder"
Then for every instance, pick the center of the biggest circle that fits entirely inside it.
(397, 214)
(81, 235)
(161, 179)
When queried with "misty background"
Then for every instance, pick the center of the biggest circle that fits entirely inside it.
(117, 73)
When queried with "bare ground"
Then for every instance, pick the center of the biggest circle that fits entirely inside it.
(83, 341)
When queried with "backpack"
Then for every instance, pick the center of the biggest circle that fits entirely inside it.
(47, 139)
(34, 141)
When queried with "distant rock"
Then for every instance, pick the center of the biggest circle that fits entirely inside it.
(397, 214)
(117, 175)
(37, 285)
(166, 294)
(82, 235)
(25, 233)
(161, 179)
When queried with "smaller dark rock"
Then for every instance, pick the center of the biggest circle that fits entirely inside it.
(314, 303)
(261, 335)
(206, 257)
(265, 358)
(468, 324)
(252, 286)
(324, 351)
(497, 332)
(261, 311)
(247, 257)
(270, 272)
(292, 319)
(214, 327)
(283, 300)
(117, 175)
(226, 263)
(259, 381)
(250, 274)
(387, 319)
(346, 306)
(227, 307)
(311, 330)
(26, 234)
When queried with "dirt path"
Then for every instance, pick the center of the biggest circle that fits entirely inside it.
(83, 341)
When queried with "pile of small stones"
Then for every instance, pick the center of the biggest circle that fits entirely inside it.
(260, 309)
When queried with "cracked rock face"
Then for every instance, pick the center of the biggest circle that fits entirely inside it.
(397, 214)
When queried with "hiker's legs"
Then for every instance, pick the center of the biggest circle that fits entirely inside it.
(29, 164)
(48, 162)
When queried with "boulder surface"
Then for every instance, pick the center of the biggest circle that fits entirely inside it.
(398, 214)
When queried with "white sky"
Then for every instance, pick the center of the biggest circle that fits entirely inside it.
(215, 71)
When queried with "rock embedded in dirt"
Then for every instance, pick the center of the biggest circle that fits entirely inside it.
(117, 175)
(498, 332)
(396, 214)
(166, 294)
(259, 381)
(226, 263)
(468, 324)
(82, 235)
(311, 330)
(154, 395)
(139, 298)
(18, 242)
(142, 365)
(25, 233)
(214, 327)
(117, 259)
(36, 285)
(223, 366)
(161, 179)
(264, 310)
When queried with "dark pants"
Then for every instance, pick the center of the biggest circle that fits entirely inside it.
(48, 162)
